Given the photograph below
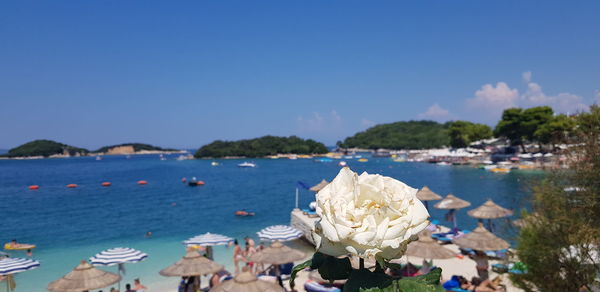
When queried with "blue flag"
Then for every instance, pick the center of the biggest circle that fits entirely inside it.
(302, 185)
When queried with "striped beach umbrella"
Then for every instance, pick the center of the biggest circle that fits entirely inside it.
(9, 266)
(208, 239)
(279, 233)
(118, 255)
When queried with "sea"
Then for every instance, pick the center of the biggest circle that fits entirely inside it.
(71, 224)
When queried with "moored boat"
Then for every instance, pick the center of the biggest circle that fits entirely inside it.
(246, 164)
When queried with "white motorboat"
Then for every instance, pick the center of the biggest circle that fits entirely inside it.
(246, 164)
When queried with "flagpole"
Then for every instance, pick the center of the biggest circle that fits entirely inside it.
(296, 197)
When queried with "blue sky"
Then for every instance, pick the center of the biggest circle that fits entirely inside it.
(183, 73)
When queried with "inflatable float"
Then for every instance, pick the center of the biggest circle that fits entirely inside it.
(19, 246)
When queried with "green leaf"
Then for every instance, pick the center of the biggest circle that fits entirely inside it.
(333, 268)
(363, 280)
(297, 269)
(317, 260)
(425, 283)
(432, 278)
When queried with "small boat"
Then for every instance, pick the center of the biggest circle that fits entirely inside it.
(142, 182)
(246, 164)
(98, 158)
(363, 160)
(106, 184)
(162, 157)
(342, 163)
(71, 186)
(500, 170)
(243, 213)
(184, 157)
(490, 167)
(444, 163)
(18, 246)
(214, 163)
(195, 183)
(34, 187)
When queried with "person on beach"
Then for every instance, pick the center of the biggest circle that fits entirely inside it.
(237, 256)
(113, 289)
(128, 288)
(138, 287)
(248, 252)
(481, 264)
(478, 285)
(217, 278)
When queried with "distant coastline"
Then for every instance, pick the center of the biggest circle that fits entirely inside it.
(39, 149)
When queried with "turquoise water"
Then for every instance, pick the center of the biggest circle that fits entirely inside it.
(69, 225)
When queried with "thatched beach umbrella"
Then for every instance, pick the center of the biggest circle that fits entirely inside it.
(489, 210)
(246, 282)
(83, 278)
(319, 186)
(427, 248)
(277, 254)
(192, 265)
(481, 239)
(425, 195)
(452, 203)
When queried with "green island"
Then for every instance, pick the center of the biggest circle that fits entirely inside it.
(133, 148)
(260, 147)
(418, 135)
(45, 148)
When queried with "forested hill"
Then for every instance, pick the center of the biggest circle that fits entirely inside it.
(260, 147)
(44, 148)
(135, 147)
(401, 135)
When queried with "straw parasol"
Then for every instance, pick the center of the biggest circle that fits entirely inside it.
(452, 202)
(489, 210)
(247, 282)
(83, 278)
(425, 194)
(427, 248)
(319, 186)
(481, 239)
(192, 264)
(277, 254)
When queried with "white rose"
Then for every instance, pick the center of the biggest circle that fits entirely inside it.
(368, 216)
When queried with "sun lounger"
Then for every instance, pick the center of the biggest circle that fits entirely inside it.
(312, 286)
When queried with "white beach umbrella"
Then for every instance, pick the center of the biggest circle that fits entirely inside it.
(9, 266)
(118, 256)
(208, 239)
(279, 233)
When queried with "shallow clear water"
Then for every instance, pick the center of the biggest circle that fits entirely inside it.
(69, 225)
